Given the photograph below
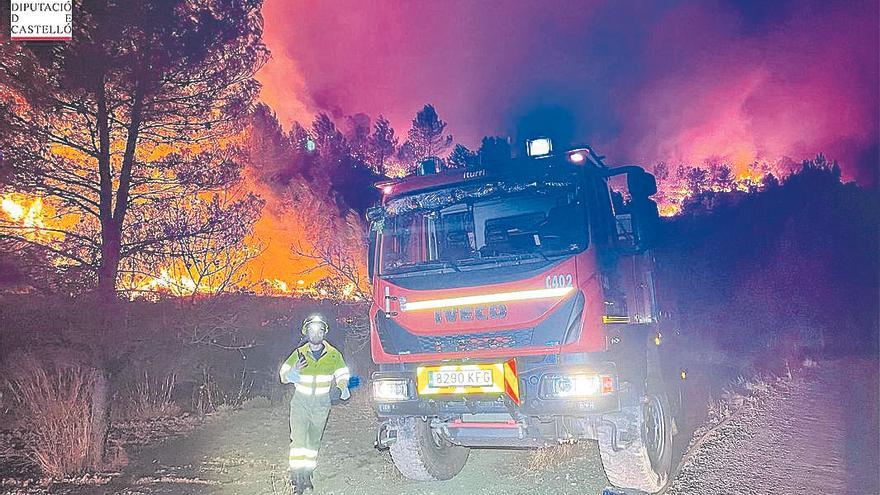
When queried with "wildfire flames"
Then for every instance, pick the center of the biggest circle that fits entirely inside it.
(37, 222)
(675, 193)
(274, 272)
(26, 213)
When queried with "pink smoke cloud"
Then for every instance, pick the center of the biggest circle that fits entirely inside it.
(643, 82)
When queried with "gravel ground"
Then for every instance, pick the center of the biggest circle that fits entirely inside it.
(817, 433)
(245, 453)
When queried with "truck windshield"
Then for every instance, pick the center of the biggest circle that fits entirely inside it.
(468, 228)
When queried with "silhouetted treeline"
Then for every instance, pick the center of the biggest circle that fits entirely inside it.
(792, 269)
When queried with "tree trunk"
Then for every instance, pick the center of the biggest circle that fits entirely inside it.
(100, 419)
(110, 255)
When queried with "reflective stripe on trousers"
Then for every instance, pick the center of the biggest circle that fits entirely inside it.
(308, 417)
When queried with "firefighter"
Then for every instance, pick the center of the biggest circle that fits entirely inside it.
(314, 367)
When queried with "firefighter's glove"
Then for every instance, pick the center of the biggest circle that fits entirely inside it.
(291, 376)
(346, 394)
(354, 381)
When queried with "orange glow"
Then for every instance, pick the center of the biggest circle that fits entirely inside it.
(14, 210)
(28, 217)
(749, 176)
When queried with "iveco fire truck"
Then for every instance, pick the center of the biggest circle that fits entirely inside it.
(514, 306)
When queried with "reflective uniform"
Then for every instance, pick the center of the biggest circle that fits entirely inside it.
(310, 404)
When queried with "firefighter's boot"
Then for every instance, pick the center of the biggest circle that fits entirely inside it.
(296, 480)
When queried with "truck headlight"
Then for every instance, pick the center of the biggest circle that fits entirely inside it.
(576, 385)
(391, 389)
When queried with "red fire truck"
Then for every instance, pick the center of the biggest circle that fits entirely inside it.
(514, 306)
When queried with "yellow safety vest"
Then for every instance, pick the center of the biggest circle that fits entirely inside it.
(317, 375)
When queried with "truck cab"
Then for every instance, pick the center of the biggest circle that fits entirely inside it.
(514, 305)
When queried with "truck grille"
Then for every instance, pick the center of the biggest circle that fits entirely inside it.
(475, 341)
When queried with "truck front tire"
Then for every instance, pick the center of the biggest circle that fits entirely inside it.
(421, 455)
(646, 462)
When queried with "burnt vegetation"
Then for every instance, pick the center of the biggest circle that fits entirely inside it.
(772, 276)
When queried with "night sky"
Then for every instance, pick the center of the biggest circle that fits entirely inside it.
(642, 81)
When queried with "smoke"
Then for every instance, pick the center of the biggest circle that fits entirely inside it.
(642, 81)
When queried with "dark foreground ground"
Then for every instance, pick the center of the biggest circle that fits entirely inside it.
(813, 433)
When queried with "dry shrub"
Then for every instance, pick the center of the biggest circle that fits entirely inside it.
(149, 398)
(211, 396)
(54, 401)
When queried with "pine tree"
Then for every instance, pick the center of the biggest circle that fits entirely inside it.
(461, 157)
(494, 149)
(358, 136)
(427, 134)
(382, 145)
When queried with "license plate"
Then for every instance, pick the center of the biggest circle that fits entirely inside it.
(460, 379)
(469, 378)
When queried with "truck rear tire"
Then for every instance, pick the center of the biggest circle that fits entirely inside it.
(645, 464)
(421, 455)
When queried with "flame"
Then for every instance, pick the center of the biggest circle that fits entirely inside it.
(166, 283)
(14, 210)
(29, 216)
(669, 209)
(674, 191)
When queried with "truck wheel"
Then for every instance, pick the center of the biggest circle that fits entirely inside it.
(645, 464)
(421, 455)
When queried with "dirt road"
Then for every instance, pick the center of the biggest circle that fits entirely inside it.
(244, 453)
(816, 434)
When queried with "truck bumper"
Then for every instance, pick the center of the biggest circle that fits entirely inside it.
(496, 421)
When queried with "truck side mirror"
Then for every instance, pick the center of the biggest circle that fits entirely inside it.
(646, 217)
(375, 218)
(641, 184)
(372, 237)
(646, 220)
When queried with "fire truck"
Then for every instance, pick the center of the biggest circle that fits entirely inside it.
(514, 306)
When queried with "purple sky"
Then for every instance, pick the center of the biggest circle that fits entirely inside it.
(641, 81)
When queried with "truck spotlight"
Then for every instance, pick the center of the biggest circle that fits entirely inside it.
(539, 147)
(390, 389)
(385, 187)
(577, 157)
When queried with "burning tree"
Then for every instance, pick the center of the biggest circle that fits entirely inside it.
(128, 131)
(129, 123)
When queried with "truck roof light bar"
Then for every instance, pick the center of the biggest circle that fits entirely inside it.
(520, 295)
